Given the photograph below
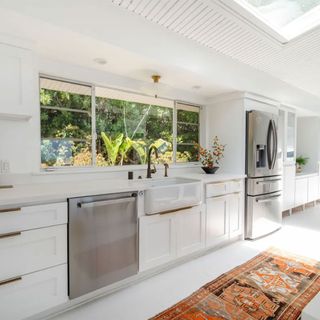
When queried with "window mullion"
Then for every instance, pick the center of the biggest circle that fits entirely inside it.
(93, 126)
(174, 134)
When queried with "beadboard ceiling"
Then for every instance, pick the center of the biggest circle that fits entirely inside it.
(215, 25)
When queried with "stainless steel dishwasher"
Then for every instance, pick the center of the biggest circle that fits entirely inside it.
(103, 241)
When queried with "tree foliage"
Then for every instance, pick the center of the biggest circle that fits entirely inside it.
(124, 129)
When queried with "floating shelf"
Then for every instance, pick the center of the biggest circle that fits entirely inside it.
(15, 117)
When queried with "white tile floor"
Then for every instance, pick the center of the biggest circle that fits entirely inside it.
(300, 234)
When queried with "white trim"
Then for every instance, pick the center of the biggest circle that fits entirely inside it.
(15, 117)
(241, 96)
(93, 126)
(91, 169)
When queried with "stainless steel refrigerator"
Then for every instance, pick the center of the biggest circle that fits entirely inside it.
(264, 175)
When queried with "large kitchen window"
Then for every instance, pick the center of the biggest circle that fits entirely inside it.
(83, 126)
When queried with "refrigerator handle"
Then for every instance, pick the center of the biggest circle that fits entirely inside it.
(275, 143)
(269, 152)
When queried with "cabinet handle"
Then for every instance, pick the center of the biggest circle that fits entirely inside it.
(10, 210)
(11, 234)
(175, 210)
(2, 283)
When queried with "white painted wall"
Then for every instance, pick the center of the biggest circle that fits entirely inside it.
(226, 119)
(308, 141)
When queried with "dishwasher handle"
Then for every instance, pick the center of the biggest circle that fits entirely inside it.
(100, 203)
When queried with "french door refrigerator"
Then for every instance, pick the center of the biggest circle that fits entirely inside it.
(264, 175)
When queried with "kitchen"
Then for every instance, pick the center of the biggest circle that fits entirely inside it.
(77, 221)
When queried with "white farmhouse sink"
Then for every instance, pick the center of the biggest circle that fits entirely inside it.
(170, 194)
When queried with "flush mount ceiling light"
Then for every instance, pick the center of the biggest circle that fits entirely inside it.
(100, 61)
(156, 78)
(284, 19)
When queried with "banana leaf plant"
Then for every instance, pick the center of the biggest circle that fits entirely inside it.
(112, 146)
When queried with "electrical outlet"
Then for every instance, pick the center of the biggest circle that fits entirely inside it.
(4, 166)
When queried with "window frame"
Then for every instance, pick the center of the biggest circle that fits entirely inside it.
(93, 167)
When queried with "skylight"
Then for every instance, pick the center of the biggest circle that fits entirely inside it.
(289, 18)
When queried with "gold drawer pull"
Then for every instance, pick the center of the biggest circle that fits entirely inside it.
(10, 280)
(10, 210)
(11, 234)
(175, 210)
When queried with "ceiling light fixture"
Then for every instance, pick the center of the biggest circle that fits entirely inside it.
(101, 61)
(156, 78)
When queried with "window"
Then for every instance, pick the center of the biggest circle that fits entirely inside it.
(66, 124)
(118, 131)
(187, 132)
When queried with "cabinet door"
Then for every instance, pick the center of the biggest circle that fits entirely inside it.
(290, 152)
(35, 292)
(217, 229)
(157, 240)
(190, 230)
(16, 80)
(313, 186)
(301, 191)
(235, 204)
(289, 174)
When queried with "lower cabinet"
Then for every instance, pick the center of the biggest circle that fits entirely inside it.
(301, 191)
(289, 178)
(223, 218)
(165, 237)
(33, 255)
(217, 220)
(313, 188)
(32, 293)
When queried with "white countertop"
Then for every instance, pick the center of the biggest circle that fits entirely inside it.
(302, 175)
(27, 194)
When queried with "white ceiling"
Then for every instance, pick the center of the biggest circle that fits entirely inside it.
(189, 42)
(213, 25)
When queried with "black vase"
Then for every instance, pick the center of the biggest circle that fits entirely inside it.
(210, 170)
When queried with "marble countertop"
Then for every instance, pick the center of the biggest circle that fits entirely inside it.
(28, 194)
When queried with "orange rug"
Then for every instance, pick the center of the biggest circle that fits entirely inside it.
(272, 285)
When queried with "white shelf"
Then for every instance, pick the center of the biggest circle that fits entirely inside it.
(15, 117)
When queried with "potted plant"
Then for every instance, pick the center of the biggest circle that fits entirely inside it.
(300, 162)
(210, 159)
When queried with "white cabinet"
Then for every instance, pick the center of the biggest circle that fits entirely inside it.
(165, 237)
(157, 240)
(289, 178)
(16, 80)
(190, 231)
(21, 297)
(224, 211)
(313, 188)
(288, 132)
(235, 214)
(217, 220)
(301, 191)
(224, 218)
(33, 255)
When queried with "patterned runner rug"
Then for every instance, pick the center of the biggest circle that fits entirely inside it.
(272, 285)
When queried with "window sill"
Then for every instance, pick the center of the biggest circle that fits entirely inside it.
(84, 170)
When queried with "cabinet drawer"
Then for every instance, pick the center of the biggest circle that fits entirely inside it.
(216, 189)
(33, 293)
(234, 186)
(25, 218)
(33, 250)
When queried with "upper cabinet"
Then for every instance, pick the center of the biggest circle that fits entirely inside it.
(288, 129)
(17, 81)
